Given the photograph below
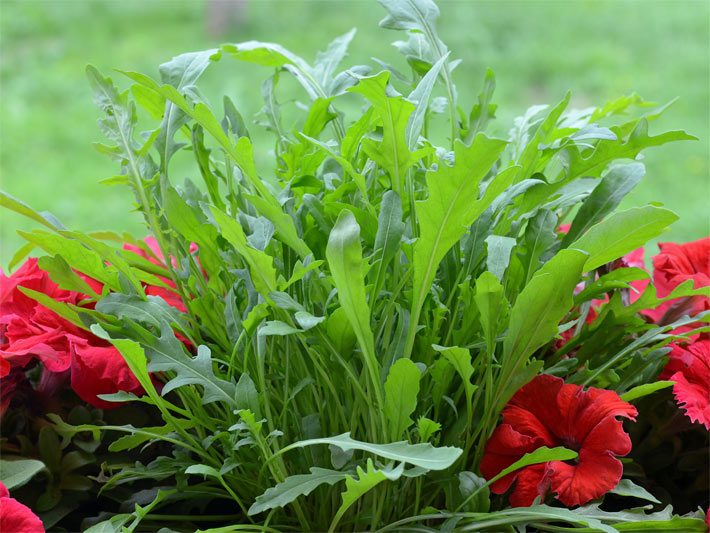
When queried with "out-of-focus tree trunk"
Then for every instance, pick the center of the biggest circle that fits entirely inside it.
(223, 14)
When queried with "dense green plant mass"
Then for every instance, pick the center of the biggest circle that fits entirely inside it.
(359, 314)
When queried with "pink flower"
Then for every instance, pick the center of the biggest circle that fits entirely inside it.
(675, 264)
(16, 517)
(31, 331)
(689, 367)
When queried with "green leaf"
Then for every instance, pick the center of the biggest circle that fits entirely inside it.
(152, 311)
(293, 487)
(498, 259)
(306, 320)
(426, 428)
(470, 483)
(542, 304)
(13, 204)
(390, 228)
(618, 278)
(418, 18)
(275, 55)
(605, 197)
(344, 255)
(484, 110)
(526, 147)
(146, 434)
(540, 236)
(492, 306)
(622, 233)
(77, 256)
(420, 97)
(626, 487)
(541, 455)
(452, 206)
(584, 163)
(63, 275)
(423, 455)
(246, 396)
(181, 72)
(166, 353)
(261, 264)
(327, 61)
(115, 524)
(203, 470)
(16, 472)
(677, 523)
(534, 318)
(192, 225)
(365, 481)
(276, 327)
(392, 153)
(460, 359)
(401, 390)
(644, 390)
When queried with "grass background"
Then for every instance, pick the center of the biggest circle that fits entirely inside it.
(539, 49)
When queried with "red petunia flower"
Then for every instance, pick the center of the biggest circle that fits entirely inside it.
(689, 367)
(675, 264)
(548, 412)
(30, 331)
(16, 517)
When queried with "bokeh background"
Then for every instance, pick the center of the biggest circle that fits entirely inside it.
(538, 49)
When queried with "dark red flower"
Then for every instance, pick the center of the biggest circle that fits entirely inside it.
(9, 385)
(675, 264)
(548, 412)
(689, 367)
(16, 517)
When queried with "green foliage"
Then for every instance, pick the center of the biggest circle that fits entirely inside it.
(374, 274)
(17, 472)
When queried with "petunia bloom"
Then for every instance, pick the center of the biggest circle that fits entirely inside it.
(16, 517)
(548, 412)
(689, 367)
(30, 331)
(676, 264)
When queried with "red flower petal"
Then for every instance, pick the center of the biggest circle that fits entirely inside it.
(540, 398)
(608, 436)
(532, 482)
(679, 262)
(589, 408)
(527, 423)
(505, 446)
(594, 475)
(16, 517)
(549, 412)
(692, 388)
(100, 370)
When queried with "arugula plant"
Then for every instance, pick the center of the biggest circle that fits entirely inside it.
(359, 311)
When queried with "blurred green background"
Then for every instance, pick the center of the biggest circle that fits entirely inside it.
(538, 49)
